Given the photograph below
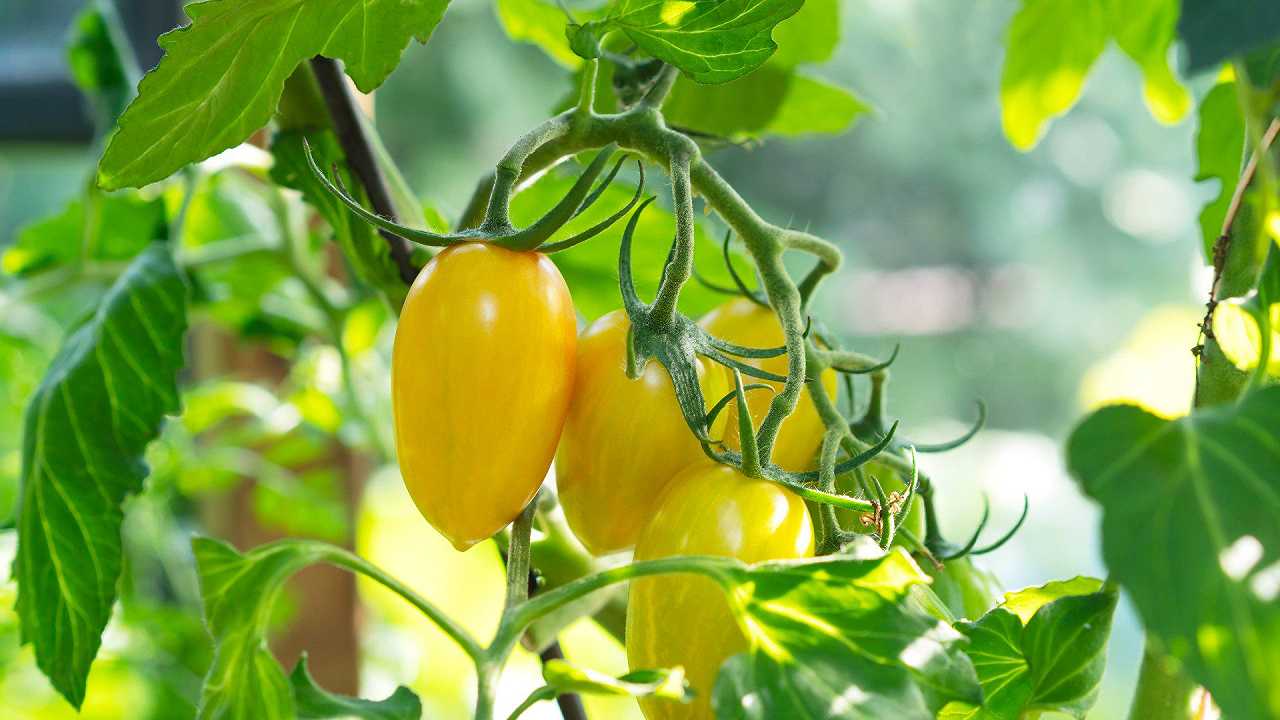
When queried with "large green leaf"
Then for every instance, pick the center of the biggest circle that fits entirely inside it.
(1053, 44)
(1043, 649)
(835, 638)
(711, 41)
(316, 703)
(222, 76)
(1191, 528)
(96, 227)
(102, 401)
(1216, 30)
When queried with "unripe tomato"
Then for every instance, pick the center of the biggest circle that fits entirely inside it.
(684, 619)
(481, 378)
(892, 482)
(742, 322)
(624, 439)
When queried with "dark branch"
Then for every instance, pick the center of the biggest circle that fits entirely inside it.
(360, 158)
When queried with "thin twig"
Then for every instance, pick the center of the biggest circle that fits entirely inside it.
(359, 153)
(571, 707)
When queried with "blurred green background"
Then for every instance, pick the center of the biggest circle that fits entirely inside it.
(1043, 283)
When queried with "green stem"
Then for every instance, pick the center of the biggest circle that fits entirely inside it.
(1164, 691)
(345, 559)
(543, 693)
(518, 557)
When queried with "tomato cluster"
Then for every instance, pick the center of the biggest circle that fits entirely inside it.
(491, 383)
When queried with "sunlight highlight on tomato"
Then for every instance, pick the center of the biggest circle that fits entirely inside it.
(684, 619)
(482, 374)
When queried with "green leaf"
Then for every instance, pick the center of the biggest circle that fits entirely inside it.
(1216, 30)
(98, 226)
(101, 403)
(711, 41)
(101, 62)
(835, 638)
(774, 100)
(1219, 153)
(222, 76)
(1189, 512)
(544, 24)
(1044, 649)
(1052, 45)
(314, 702)
(562, 677)
(1144, 30)
(244, 681)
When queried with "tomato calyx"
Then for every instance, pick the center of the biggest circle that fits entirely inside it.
(496, 227)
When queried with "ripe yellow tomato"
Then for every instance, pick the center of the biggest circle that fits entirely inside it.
(684, 619)
(624, 439)
(743, 322)
(481, 378)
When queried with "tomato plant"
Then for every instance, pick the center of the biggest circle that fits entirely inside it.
(789, 559)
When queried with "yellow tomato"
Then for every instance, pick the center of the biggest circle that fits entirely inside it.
(624, 439)
(481, 378)
(684, 619)
(742, 322)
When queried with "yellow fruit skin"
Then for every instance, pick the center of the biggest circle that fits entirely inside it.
(684, 619)
(481, 378)
(742, 322)
(624, 439)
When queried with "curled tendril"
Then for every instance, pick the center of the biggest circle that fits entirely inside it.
(729, 397)
(1026, 508)
(973, 539)
(713, 286)
(743, 290)
(957, 442)
(499, 232)
(603, 224)
(852, 363)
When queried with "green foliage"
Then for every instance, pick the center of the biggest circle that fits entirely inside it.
(204, 97)
(101, 62)
(368, 253)
(101, 403)
(314, 702)
(711, 41)
(94, 227)
(1205, 491)
(1052, 45)
(1219, 156)
(1216, 30)
(1043, 649)
(834, 638)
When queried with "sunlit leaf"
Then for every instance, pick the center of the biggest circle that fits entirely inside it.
(1205, 491)
(711, 41)
(834, 638)
(1044, 649)
(316, 703)
(565, 678)
(205, 96)
(773, 100)
(101, 403)
(542, 23)
(1053, 44)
